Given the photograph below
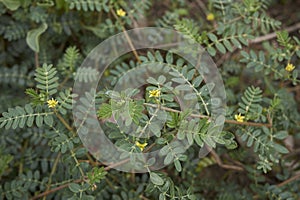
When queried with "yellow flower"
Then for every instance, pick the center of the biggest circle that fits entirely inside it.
(210, 17)
(141, 146)
(106, 73)
(239, 117)
(121, 12)
(154, 93)
(290, 67)
(52, 103)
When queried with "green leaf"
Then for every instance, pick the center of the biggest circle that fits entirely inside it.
(33, 35)
(164, 151)
(46, 4)
(161, 197)
(197, 81)
(212, 51)
(39, 120)
(169, 58)
(280, 148)
(74, 187)
(155, 129)
(191, 74)
(151, 80)
(192, 197)
(159, 57)
(48, 120)
(281, 135)
(178, 80)
(228, 45)
(30, 120)
(104, 111)
(47, 79)
(212, 37)
(180, 135)
(169, 158)
(198, 140)
(161, 79)
(177, 165)
(221, 48)
(156, 179)
(183, 87)
(87, 197)
(236, 43)
(11, 4)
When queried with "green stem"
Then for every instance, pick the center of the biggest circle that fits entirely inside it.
(52, 172)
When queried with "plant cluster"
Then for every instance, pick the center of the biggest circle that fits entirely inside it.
(255, 156)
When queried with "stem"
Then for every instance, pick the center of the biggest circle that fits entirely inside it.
(64, 122)
(36, 60)
(248, 123)
(273, 35)
(55, 189)
(207, 117)
(71, 130)
(77, 162)
(225, 166)
(22, 159)
(91, 161)
(289, 180)
(127, 37)
(116, 164)
(149, 148)
(64, 81)
(75, 181)
(196, 91)
(149, 122)
(52, 172)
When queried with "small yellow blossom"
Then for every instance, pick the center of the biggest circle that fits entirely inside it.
(210, 17)
(121, 12)
(52, 103)
(106, 73)
(239, 117)
(141, 146)
(154, 93)
(290, 67)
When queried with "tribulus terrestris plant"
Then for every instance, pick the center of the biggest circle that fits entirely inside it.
(235, 139)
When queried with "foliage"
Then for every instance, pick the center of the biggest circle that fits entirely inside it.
(255, 156)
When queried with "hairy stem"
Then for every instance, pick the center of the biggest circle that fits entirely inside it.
(208, 117)
(52, 172)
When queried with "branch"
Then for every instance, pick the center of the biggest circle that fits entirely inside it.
(248, 123)
(62, 120)
(55, 189)
(225, 166)
(289, 180)
(207, 117)
(75, 181)
(127, 37)
(52, 172)
(273, 35)
(257, 40)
